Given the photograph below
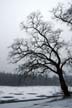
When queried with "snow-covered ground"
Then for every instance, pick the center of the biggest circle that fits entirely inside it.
(40, 104)
(33, 97)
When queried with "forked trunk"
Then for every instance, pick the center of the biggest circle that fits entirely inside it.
(63, 85)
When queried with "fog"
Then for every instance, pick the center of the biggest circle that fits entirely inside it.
(12, 12)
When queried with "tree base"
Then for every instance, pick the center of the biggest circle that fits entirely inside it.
(67, 95)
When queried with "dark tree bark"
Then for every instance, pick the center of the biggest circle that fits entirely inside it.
(64, 87)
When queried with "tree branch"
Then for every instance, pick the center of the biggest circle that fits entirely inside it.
(66, 60)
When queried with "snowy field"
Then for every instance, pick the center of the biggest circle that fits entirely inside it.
(33, 97)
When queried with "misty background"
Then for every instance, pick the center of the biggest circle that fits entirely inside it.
(12, 13)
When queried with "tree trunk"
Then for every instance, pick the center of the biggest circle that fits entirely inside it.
(63, 85)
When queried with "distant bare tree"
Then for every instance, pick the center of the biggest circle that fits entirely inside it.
(63, 14)
(44, 52)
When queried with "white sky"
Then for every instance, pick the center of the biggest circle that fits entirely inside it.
(12, 12)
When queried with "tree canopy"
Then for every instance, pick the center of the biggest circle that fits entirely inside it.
(45, 50)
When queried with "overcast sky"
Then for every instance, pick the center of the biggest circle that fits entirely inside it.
(12, 12)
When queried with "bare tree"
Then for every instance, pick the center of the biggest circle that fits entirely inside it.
(44, 52)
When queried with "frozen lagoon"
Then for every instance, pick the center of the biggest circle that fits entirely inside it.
(33, 97)
(28, 92)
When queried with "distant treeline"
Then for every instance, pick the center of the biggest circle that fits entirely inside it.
(19, 80)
